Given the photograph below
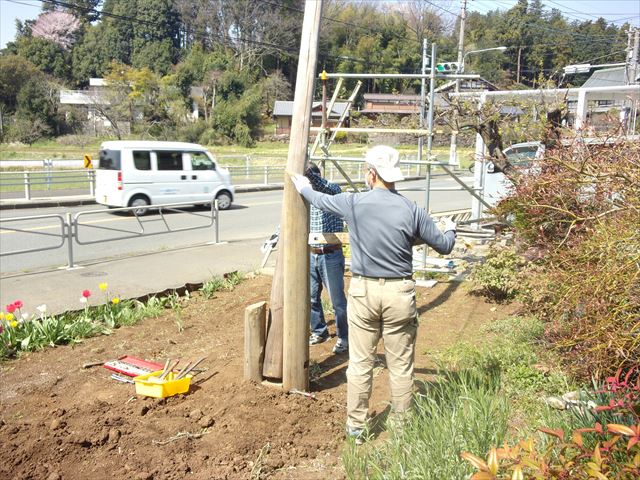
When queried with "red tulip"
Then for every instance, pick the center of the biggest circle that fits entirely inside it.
(10, 308)
(86, 293)
(17, 304)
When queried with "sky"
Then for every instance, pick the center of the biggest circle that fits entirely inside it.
(615, 11)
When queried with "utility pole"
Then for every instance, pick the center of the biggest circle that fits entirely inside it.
(633, 61)
(295, 214)
(453, 150)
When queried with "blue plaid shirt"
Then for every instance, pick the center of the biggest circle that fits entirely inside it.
(322, 221)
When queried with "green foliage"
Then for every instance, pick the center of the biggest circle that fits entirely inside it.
(228, 282)
(497, 277)
(47, 56)
(462, 410)
(27, 130)
(15, 71)
(156, 36)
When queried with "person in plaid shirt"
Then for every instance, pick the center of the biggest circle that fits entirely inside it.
(326, 268)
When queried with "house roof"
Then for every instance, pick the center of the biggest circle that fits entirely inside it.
(391, 96)
(468, 85)
(284, 108)
(607, 77)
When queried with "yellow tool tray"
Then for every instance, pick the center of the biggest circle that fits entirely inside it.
(150, 384)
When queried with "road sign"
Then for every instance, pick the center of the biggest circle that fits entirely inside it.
(87, 161)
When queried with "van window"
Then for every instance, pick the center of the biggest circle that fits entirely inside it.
(142, 160)
(169, 160)
(109, 160)
(200, 161)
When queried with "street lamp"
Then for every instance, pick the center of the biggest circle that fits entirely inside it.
(501, 49)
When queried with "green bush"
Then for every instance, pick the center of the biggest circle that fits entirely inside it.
(497, 278)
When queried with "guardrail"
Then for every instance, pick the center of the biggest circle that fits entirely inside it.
(33, 182)
(45, 180)
(71, 226)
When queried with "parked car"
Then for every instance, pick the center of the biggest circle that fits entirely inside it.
(143, 173)
(520, 155)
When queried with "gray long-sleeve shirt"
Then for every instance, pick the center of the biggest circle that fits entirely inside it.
(382, 227)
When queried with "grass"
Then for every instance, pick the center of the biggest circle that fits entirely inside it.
(53, 149)
(484, 395)
(462, 411)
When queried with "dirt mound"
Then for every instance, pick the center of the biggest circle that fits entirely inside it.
(60, 421)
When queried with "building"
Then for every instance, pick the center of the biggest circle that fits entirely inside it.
(97, 99)
(283, 113)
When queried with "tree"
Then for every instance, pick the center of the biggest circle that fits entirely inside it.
(274, 87)
(58, 27)
(85, 10)
(48, 56)
(15, 71)
(38, 99)
(156, 35)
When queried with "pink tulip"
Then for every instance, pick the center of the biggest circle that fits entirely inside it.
(10, 308)
(86, 293)
(17, 304)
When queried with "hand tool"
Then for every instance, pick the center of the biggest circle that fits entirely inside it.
(185, 372)
(170, 369)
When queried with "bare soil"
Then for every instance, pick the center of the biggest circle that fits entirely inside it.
(60, 421)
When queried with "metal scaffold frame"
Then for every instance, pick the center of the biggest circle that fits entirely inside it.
(326, 134)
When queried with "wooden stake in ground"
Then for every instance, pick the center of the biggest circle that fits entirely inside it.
(254, 325)
(295, 362)
(272, 366)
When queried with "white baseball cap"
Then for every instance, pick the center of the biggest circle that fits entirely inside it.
(385, 160)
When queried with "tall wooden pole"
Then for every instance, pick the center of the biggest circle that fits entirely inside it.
(295, 221)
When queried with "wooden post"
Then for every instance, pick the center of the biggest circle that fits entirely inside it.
(295, 221)
(254, 325)
(272, 367)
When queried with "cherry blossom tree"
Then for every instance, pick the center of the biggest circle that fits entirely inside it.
(57, 27)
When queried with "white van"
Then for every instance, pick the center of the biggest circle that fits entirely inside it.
(520, 155)
(141, 173)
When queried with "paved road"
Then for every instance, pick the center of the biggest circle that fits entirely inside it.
(254, 215)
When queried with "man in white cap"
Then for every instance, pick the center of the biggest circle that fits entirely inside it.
(382, 301)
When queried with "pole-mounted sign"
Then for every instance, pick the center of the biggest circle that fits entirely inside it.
(88, 161)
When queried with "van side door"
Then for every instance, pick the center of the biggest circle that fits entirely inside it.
(204, 177)
(171, 178)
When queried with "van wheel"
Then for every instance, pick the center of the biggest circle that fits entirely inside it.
(224, 200)
(141, 202)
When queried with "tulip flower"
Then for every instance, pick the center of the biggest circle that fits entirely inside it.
(115, 300)
(1, 315)
(9, 317)
(83, 299)
(86, 293)
(10, 308)
(13, 324)
(42, 308)
(103, 286)
(18, 304)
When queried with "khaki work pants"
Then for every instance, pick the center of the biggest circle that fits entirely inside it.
(387, 308)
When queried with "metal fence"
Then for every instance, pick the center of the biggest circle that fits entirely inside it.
(256, 170)
(38, 182)
(74, 230)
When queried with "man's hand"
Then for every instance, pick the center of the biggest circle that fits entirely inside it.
(449, 224)
(300, 182)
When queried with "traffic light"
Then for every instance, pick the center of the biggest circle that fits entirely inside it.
(449, 67)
